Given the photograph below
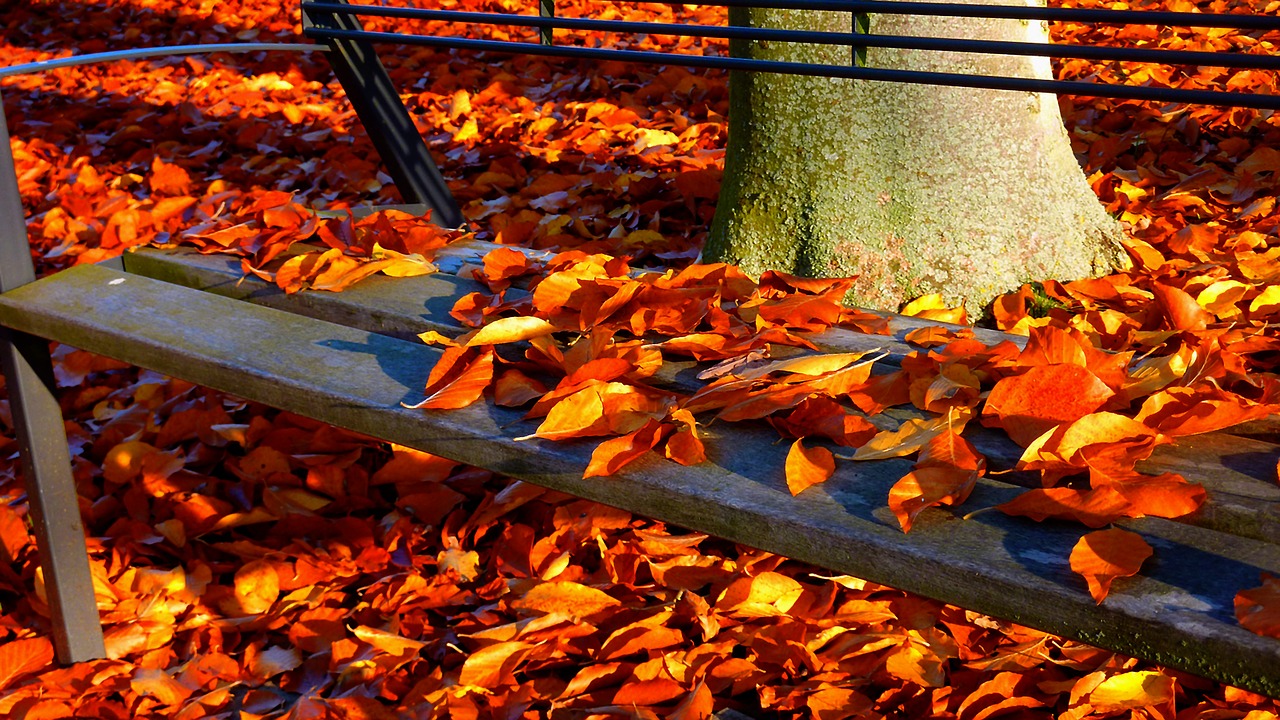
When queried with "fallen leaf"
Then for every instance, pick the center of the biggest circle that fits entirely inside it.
(1257, 609)
(806, 467)
(1104, 555)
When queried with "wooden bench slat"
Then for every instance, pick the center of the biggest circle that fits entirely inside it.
(1179, 612)
(1239, 473)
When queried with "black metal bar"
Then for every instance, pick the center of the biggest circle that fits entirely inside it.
(892, 7)
(378, 105)
(42, 440)
(1061, 87)
(858, 40)
(144, 53)
(546, 9)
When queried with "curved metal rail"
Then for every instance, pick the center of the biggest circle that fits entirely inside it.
(143, 53)
(1060, 87)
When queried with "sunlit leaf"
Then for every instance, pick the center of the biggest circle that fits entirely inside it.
(806, 467)
(1104, 555)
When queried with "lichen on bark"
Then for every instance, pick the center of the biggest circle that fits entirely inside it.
(913, 188)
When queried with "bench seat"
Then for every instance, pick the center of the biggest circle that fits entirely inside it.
(1178, 612)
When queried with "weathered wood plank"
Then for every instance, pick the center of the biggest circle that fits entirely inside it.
(391, 300)
(1179, 612)
(1239, 473)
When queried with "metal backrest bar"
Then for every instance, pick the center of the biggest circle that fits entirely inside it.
(144, 53)
(888, 7)
(1017, 12)
(858, 40)
(1060, 87)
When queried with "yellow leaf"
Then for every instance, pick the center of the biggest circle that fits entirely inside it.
(647, 138)
(468, 131)
(812, 365)
(1130, 690)
(431, 337)
(402, 265)
(509, 330)
(1267, 302)
(933, 307)
(1221, 297)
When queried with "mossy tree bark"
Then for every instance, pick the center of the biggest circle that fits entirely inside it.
(913, 188)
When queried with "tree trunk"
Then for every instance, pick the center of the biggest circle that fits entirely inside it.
(913, 188)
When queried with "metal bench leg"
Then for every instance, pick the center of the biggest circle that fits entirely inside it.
(46, 461)
(378, 105)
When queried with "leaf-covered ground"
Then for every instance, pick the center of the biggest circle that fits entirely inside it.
(250, 563)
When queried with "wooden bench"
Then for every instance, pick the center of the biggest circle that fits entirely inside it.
(350, 360)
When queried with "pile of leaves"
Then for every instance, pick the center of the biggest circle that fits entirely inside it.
(253, 563)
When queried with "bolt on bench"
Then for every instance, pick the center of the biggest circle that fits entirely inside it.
(349, 360)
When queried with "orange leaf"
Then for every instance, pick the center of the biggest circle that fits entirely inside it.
(807, 467)
(926, 487)
(1182, 310)
(611, 455)
(697, 705)
(458, 379)
(514, 389)
(1094, 508)
(685, 447)
(390, 643)
(1258, 609)
(1104, 555)
(1179, 411)
(1168, 495)
(566, 598)
(160, 685)
(13, 534)
(124, 461)
(1094, 439)
(1030, 404)
(257, 587)
(493, 666)
(945, 474)
(168, 179)
(23, 657)
(768, 594)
